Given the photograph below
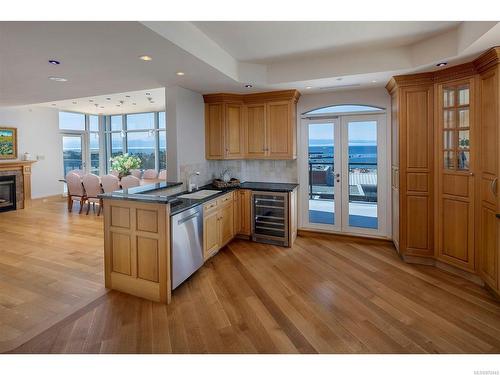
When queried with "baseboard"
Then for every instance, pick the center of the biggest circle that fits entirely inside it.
(427, 261)
(48, 198)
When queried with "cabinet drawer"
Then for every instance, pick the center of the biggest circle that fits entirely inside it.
(226, 198)
(211, 205)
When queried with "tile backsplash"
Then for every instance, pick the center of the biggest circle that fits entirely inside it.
(245, 170)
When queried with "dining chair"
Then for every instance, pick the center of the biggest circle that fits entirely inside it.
(115, 173)
(136, 173)
(76, 191)
(129, 182)
(150, 174)
(110, 183)
(92, 186)
(163, 174)
(79, 172)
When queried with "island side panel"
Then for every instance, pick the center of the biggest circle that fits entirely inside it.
(137, 248)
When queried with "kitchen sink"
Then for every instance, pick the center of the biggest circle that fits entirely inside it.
(201, 194)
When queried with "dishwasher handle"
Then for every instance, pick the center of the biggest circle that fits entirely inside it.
(187, 218)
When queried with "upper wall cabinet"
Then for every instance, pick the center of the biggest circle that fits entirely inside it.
(252, 126)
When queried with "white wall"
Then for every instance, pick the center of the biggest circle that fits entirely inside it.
(38, 134)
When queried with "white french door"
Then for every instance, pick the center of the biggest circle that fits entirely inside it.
(343, 174)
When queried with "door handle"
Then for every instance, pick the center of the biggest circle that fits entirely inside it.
(494, 184)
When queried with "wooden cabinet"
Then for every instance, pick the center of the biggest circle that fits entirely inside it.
(235, 131)
(211, 242)
(256, 146)
(137, 248)
(242, 212)
(218, 225)
(446, 159)
(214, 131)
(455, 168)
(412, 177)
(488, 201)
(254, 126)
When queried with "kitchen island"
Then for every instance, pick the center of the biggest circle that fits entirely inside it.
(142, 256)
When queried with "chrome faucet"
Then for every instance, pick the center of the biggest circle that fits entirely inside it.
(190, 185)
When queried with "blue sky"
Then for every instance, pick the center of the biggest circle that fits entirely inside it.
(362, 132)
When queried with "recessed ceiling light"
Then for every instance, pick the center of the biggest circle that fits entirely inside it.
(145, 58)
(73, 102)
(91, 101)
(151, 101)
(180, 73)
(134, 103)
(108, 98)
(308, 87)
(127, 96)
(58, 79)
(374, 81)
(148, 93)
(248, 86)
(54, 62)
(339, 79)
(442, 64)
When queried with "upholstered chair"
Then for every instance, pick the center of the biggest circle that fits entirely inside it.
(150, 174)
(136, 173)
(92, 186)
(76, 192)
(163, 174)
(129, 182)
(79, 172)
(110, 183)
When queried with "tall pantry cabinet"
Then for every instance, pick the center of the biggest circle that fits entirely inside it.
(445, 152)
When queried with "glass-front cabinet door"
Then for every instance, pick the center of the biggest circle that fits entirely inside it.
(455, 180)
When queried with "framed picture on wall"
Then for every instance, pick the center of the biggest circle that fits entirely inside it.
(8, 143)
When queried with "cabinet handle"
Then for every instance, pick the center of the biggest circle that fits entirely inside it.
(494, 184)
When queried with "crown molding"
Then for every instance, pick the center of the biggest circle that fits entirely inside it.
(270, 96)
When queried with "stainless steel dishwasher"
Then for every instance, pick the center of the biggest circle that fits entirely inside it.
(187, 244)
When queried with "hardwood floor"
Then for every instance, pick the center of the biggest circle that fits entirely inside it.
(325, 295)
(50, 266)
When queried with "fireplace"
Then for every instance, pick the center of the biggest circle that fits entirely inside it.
(7, 193)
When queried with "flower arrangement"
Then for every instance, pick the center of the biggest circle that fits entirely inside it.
(124, 163)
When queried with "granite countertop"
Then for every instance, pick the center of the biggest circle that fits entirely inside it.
(158, 193)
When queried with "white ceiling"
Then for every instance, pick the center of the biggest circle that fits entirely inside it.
(126, 102)
(266, 42)
(101, 58)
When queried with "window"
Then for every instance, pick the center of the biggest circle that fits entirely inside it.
(71, 121)
(344, 108)
(139, 134)
(94, 147)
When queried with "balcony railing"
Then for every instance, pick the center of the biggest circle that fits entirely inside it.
(362, 185)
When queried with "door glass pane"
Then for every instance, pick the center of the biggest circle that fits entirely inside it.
(463, 118)
(321, 173)
(362, 164)
(142, 144)
(72, 153)
(463, 158)
(463, 96)
(449, 160)
(449, 118)
(449, 97)
(94, 153)
(163, 149)
(463, 139)
(448, 139)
